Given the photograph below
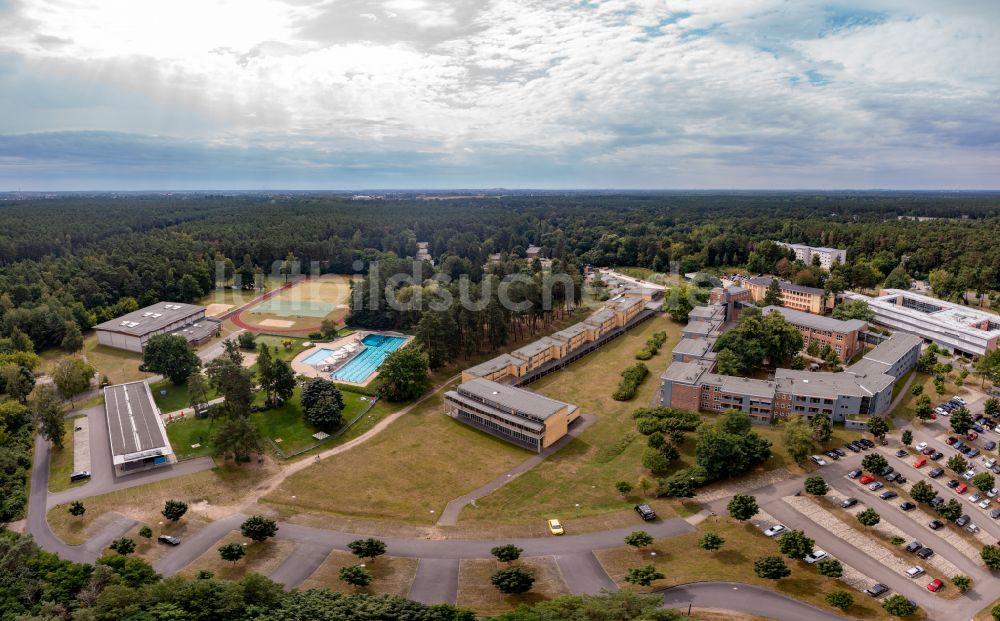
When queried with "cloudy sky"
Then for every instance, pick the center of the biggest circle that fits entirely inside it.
(349, 94)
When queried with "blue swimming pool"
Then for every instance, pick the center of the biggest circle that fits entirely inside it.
(318, 356)
(377, 347)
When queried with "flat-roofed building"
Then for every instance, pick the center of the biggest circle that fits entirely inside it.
(603, 320)
(626, 308)
(827, 256)
(541, 351)
(842, 335)
(693, 349)
(132, 330)
(138, 437)
(797, 297)
(497, 369)
(952, 326)
(729, 298)
(519, 416)
(576, 335)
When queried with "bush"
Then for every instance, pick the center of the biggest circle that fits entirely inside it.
(631, 378)
(643, 354)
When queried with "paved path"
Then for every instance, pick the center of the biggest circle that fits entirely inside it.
(436, 581)
(584, 574)
(744, 598)
(449, 517)
(301, 563)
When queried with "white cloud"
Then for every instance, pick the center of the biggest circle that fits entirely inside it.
(781, 89)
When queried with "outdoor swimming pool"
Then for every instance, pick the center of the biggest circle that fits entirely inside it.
(377, 347)
(318, 356)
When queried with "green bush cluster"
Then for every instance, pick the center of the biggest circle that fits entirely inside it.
(631, 378)
(653, 345)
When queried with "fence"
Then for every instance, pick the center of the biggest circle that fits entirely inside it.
(343, 429)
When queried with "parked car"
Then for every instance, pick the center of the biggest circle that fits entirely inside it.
(645, 512)
(901, 453)
(953, 483)
(774, 530)
(973, 452)
(936, 502)
(875, 486)
(935, 473)
(866, 443)
(960, 401)
(832, 455)
(913, 546)
(852, 447)
(888, 495)
(995, 514)
(878, 589)
(927, 451)
(555, 527)
(79, 475)
(847, 503)
(962, 520)
(900, 479)
(816, 556)
(170, 541)
(992, 493)
(964, 449)
(985, 504)
(853, 474)
(935, 524)
(990, 446)
(974, 498)
(888, 470)
(819, 461)
(989, 463)
(937, 455)
(925, 553)
(934, 585)
(961, 489)
(907, 506)
(893, 477)
(920, 463)
(968, 474)
(972, 528)
(914, 571)
(957, 444)
(866, 479)
(840, 452)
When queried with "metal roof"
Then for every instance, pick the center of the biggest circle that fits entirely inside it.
(151, 319)
(134, 424)
(509, 397)
(494, 364)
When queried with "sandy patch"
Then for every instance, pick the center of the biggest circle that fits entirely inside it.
(214, 310)
(276, 323)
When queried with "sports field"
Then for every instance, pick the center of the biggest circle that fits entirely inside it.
(301, 307)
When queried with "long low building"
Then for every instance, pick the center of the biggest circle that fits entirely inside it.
(132, 330)
(138, 437)
(798, 297)
(513, 414)
(957, 328)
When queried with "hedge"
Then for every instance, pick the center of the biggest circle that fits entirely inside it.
(631, 378)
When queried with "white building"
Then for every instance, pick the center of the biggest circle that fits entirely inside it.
(827, 256)
(955, 327)
(132, 330)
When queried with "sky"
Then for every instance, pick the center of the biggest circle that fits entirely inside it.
(631, 94)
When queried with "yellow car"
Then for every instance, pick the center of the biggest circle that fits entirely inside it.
(555, 527)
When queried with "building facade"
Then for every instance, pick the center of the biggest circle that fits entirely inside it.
(796, 297)
(132, 330)
(827, 256)
(844, 337)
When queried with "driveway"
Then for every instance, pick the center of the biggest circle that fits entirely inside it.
(746, 598)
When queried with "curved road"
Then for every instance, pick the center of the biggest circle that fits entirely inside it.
(744, 598)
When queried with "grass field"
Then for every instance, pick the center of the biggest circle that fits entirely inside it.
(682, 561)
(117, 364)
(907, 407)
(298, 304)
(476, 592)
(262, 557)
(408, 472)
(237, 298)
(209, 494)
(579, 480)
(177, 397)
(392, 575)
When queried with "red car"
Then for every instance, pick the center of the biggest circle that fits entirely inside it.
(930, 450)
(920, 463)
(973, 435)
(951, 440)
(961, 488)
(865, 480)
(935, 585)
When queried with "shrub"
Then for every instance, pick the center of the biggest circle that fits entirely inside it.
(631, 378)
(643, 354)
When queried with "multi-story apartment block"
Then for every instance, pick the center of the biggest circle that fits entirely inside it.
(827, 256)
(796, 297)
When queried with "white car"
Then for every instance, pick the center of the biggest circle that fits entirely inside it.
(819, 460)
(974, 498)
(942, 411)
(993, 493)
(969, 474)
(774, 530)
(959, 400)
(921, 446)
(989, 463)
(985, 504)
(914, 571)
(816, 556)
(877, 485)
(972, 528)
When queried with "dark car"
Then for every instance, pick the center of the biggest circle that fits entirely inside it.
(935, 473)
(832, 455)
(79, 475)
(913, 546)
(645, 512)
(907, 506)
(170, 541)
(952, 484)
(866, 443)
(901, 453)
(962, 520)
(989, 446)
(965, 450)
(840, 452)
(888, 470)
(852, 447)
(935, 524)
(892, 477)
(854, 473)
(974, 453)
(925, 553)
(900, 479)
(888, 495)
(936, 502)
(995, 513)
(937, 455)
(877, 590)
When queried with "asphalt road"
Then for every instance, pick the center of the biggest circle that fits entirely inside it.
(744, 598)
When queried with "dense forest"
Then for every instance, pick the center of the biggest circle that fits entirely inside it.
(84, 260)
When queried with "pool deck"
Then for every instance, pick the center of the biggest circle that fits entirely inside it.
(299, 365)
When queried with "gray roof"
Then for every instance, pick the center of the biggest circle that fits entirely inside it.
(573, 330)
(829, 385)
(685, 372)
(626, 303)
(537, 347)
(785, 285)
(706, 312)
(494, 364)
(600, 317)
(199, 329)
(891, 350)
(741, 385)
(699, 327)
(151, 319)
(816, 322)
(134, 425)
(518, 399)
(694, 347)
